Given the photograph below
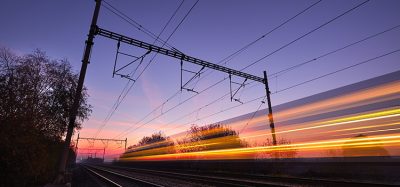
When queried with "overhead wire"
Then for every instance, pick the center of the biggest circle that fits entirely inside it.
(298, 65)
(306, 34)
(222, 111)
(253, 115)
(230, 57)
(171, 34)
(198, 109)
(133, 22)
(296, 85)
(282, 47)
(337, 71)
(333, 51)
(326, 54)
(127, 88)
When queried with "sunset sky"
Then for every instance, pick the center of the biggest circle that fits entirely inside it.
(212, 31)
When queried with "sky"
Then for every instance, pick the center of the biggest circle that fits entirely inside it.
(212, 31)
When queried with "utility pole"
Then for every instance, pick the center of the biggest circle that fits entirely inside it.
(270, 117)
(78, 94)
(104, 152)
(126, 140)
(76, 145)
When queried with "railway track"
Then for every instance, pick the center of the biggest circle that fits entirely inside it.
(196, 180)
(112, 178)
(208, 179)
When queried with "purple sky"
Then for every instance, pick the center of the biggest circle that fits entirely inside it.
(212, 31)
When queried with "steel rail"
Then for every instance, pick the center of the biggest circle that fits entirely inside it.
(136, 180)
(234, 179)
(103, 177)
(206, 180)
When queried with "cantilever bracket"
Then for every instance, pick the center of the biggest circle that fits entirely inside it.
(241, 85)
(105, 143)
(135, 59)
(196, 75)
(126, 77)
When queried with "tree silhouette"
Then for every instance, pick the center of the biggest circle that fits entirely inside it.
(36, 97)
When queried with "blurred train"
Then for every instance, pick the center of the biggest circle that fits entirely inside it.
(358, 120)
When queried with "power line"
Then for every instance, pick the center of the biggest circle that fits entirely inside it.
(326, 23)
(200, 108)
(170, 19)
(293, 41)
(172, 108)
(230, 57)
(222, 111)
(269, 32)
(337, 71)
(306, 34)
(290, 87)
(334, 51)
(252, 116)
(126, 90)
(133, 23)
(183, 19)
(236, 53)
(314, 59)
(164, 43)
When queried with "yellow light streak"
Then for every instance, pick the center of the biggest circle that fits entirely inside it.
(249, 152)
(348, 99)
(363, 127)
(348, 120)
(365, 132)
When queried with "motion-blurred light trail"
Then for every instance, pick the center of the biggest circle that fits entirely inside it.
(359, 120)
(250, 153)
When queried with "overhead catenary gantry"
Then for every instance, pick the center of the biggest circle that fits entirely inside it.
(91, 152)
(103, 140)
(95, 30)
(173, 53)
(183, 57)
